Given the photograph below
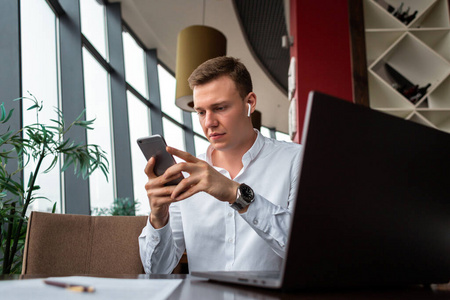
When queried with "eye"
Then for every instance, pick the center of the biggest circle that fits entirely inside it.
(200, 113)
(220, 108)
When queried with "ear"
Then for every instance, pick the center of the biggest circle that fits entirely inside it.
(251, 101)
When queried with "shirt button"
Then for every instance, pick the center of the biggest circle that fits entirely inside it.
(230, 240)
(255, 222)
(230, 214)
(155, 238)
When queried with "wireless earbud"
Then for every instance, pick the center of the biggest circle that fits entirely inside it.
(249, 110)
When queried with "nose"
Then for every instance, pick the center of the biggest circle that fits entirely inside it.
(210, 120)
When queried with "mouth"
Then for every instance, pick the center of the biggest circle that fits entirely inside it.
(216, 136)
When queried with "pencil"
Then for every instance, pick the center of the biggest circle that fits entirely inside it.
(71, 287)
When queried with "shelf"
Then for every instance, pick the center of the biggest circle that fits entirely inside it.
(378, 42)
(383, 96)
(436, 39)
(415, 61)
(377, 17)
(438, 118)
(408, 55)
(417, 118)
(403, 114)
(440, 97)
(436, 16)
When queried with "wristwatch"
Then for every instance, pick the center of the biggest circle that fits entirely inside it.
(244, 197)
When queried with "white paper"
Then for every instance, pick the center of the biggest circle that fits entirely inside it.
(105, 288)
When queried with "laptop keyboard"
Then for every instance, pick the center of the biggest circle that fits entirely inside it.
(254, 274)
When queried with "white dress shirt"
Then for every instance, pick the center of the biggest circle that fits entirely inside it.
(215, 236)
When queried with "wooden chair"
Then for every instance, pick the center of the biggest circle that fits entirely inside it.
(64, 244)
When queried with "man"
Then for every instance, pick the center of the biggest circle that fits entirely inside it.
(222, 223)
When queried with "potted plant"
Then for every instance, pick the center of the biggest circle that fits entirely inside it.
(34, 143)
(120, 207)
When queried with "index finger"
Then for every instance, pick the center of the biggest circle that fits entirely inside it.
(182, 154)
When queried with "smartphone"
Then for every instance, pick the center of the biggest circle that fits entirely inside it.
(155, 146)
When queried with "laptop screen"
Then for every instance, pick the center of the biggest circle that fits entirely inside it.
(373, 204)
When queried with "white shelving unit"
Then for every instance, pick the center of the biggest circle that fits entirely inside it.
(419, 51)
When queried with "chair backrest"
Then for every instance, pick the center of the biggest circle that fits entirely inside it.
(64, 244)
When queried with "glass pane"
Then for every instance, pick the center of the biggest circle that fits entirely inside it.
(40, 78)
(174, 135)
(200, 145)
(139, 116)
(98, 108)
(167, 90)
(196, 124)
(282, 136)
(265, 131)
(93, 24)
(134, 64)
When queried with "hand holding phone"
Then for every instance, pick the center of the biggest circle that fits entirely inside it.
(155, 146)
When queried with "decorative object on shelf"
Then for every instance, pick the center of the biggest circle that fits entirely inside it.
(386, 6)
(402, 15)
(34, 143)
(409, 90)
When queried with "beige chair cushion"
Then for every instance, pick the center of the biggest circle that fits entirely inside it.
(64, 244)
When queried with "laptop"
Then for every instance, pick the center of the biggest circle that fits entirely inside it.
(373, 204)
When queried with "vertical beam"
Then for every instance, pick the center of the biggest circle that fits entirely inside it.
(273, 134)
(10, 71)
(72, 96)
(188, 133)
(121, 134)
(151, 61)
(358, 50)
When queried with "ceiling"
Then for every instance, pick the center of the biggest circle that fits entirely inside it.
(253, 30)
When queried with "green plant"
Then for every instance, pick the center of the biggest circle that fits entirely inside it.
(34, 143)
(120, 207)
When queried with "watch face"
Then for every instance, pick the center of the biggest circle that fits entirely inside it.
(247, 193)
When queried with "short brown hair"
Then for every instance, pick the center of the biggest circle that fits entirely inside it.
(223, 66)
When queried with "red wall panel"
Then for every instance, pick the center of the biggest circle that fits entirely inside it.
(322, 51)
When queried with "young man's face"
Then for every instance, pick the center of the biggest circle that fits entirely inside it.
(223, 114)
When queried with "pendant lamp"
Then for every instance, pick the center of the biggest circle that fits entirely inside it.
(196, 44)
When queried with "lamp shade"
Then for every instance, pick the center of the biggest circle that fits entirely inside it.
(196, 44)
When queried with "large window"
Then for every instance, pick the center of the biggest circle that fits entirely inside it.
(98, 107)
(80, 52)
(93, 24)
(282, 136)
(173, 133)
(40, 78)
(167, 88)
(134, 64)
(201, 145)
(200, 141)
(139, 116)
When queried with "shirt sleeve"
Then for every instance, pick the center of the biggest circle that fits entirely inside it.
(161, 249)
(271, 222)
